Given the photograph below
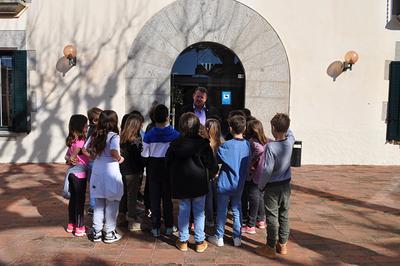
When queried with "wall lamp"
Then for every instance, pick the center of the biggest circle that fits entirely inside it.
(70, 54)
(338, 67)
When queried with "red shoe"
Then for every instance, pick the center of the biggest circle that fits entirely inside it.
(70, 228)
(261, 224)
(80, 231)
(249, 230)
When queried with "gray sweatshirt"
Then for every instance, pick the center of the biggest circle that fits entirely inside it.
(277, 161)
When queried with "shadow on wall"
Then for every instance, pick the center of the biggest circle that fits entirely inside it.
(79, 89)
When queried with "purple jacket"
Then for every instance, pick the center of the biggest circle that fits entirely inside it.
(257, 161)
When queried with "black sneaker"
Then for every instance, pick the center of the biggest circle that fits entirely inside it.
(90, 211)
(94, 236)
(112, 237)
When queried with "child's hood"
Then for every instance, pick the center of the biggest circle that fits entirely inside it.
(166, 134)
(188, 146)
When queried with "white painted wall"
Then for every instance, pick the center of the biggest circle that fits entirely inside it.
(339, 122)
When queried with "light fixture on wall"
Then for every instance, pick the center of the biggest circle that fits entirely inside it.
(338, 67)
(68, 61)
(70, 53)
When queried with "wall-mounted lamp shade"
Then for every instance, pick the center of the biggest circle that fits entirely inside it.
(335, 69)
(70, 51)
(63, 65)
(351, 57)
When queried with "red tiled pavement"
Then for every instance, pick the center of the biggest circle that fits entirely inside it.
(339, 215)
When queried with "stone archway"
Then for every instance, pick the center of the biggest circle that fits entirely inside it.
(227, 22)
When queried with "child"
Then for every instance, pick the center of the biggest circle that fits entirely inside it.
(213, 130)
(131, 169)
(106, 182)
(252, 195)
(93, 116)
(234, 156)
(275, 183)
(155, 145)
(190, 162)
(77, 174)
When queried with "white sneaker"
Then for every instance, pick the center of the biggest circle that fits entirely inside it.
(219, 242)
(112, 237)
(237, 242)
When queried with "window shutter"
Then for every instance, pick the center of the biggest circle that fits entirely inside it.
(393, 112)
(20, 110)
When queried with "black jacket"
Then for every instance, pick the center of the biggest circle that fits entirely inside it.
(133, 163)
(191, 163)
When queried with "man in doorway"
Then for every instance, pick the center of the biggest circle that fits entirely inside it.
(200, 107)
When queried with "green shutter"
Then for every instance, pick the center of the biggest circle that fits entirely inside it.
(393, 112)
(20, 107)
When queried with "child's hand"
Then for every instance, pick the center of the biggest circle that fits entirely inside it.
(72, 160)
(121, 160)
(86, 152)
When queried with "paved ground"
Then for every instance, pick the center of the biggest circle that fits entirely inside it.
(340, 215)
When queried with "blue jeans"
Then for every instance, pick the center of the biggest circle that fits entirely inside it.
(197, 206)
(211, 201)
(222, 208)
(92, 201)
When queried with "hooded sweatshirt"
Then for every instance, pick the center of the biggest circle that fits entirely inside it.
(155, 145)
(190, 163)
(235, 158)
(277, 162)
(257, 161)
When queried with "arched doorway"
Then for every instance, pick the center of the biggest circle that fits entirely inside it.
(213, 66)
(227, 22)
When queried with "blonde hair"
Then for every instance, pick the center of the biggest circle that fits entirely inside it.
(94, 114)
(213, 129)
(131, 130)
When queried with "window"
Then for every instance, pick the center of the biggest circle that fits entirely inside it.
(393, 113)
(13, 83)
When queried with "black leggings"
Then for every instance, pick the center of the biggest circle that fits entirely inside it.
(77, 188)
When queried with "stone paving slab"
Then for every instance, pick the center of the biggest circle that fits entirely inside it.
(340, 215)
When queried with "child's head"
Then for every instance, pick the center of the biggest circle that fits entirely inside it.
(213, 129)
(125, 117)
(77, 128)
(237, 124)
(108, 122)
(131, 130)
(236, 112)
(151, 112)
(93, 115)
(161, 114)
(138, 113)
(280, 123)
(246, 112)
(255, 130)
(189, 124)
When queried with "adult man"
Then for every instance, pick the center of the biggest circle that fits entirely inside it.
(200, 107)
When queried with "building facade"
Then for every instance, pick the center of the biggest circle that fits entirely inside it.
(268, 56)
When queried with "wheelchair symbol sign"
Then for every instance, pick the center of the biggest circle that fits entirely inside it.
(226, 98)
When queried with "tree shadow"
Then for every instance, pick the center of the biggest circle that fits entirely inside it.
(346, 200)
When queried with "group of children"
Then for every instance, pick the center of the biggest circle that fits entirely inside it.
(246, 172)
